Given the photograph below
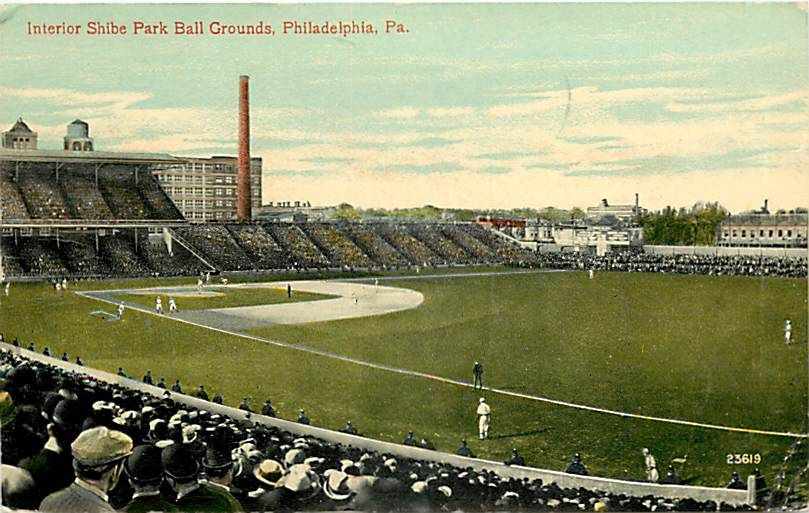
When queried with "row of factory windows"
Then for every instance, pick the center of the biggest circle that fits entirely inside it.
(203, 180)
(199, 191)
(761, 233)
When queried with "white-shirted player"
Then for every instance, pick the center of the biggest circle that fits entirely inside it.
(172, 305)
(787, 332)
(120, 310)
(158, 305)
(484, 419)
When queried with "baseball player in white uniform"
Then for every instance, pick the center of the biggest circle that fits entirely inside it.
(652, 475)
(484, 419)
(158, 305)
(172, 305)
(120, 311)
(787, 332)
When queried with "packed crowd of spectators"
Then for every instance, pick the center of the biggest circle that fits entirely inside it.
(479, 251)
(347, 246)
(160, 205)
(218, 246)
(117, 186)
(12, 205)
(337, 247)
(377, 248)
(75, 443)
(259, 245)
(83, 197)
(118, 251)
(440, 244)
(416, 252)
(639, 261)
(43, 195)
(303, 253)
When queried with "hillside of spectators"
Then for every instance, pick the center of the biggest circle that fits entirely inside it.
(714, 265)
(68, 434)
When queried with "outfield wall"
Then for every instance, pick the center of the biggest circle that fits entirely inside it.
(725, 251)
(614, 486)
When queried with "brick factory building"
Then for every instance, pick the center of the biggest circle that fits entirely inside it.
(204, 189)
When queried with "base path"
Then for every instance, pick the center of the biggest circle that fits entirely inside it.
(354, 300)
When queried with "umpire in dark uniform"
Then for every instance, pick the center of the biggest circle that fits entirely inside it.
(477, 370)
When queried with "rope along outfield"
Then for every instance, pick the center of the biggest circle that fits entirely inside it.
(423, 375)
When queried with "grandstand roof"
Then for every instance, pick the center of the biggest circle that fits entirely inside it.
(86, 156)
(20, 126)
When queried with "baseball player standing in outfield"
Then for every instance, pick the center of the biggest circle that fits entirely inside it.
(484, 419)
(591, 273)
(172, 306)
(652, 475)
(787, 332)
(120, 310)
(477, 371)
(158, 305)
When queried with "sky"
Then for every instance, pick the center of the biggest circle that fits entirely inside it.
(475, 106)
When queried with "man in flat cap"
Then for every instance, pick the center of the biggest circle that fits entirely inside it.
(98, 460)
(181, 468)
(145, 473)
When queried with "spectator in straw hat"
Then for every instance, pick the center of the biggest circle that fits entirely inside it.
(98, 459)
(299, 490)
(145, 473)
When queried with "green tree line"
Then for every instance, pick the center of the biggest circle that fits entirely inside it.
(683, 227)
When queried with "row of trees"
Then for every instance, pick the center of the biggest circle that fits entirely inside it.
(683, 227)
(348, 212)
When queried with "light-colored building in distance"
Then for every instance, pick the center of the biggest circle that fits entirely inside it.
(204, 189)
(763, 230)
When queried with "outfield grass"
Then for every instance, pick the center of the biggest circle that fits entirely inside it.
(228, 297)
(701, 348)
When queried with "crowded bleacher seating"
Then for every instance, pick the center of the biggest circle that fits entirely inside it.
(12, 206)
(398, 236)
(216, 242)
(62, 429)
(302, 251)
(715, 265)
(337, 247)
(83, 197)
(373, 245)
(263, 250)
(42, 195)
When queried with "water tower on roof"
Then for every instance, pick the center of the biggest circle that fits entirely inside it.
(78, 137)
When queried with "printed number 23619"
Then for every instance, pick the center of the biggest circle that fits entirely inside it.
(743, 459)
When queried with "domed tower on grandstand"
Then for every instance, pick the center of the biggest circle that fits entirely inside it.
(20, 137)
(78, 137)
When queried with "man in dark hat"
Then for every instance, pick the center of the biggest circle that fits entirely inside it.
(176, 387)
(147, 378)
(52, 467)
(182, 474)
(349, 429)
(121, 372)
(409, 440)
(65, 357)
(218, 466)
(79, 361)
(464, 450)
(477, 372)
(303, 419)
(201, 393)
(267, 409)
(217, 398)
(161, 383)
(32, 347)
(516, 458)
(576, 466)
(245, 406)
(736, 482)
(145, 473)
(98, 459)
(46, 352)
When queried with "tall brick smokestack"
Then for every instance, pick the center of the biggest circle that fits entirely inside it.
(243, 202)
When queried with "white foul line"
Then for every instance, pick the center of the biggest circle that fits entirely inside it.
(405, 372)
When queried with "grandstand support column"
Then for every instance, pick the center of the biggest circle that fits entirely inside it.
(243, 202)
